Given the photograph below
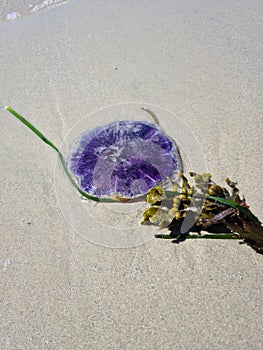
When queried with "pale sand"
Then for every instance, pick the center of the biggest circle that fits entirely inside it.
(201, 60)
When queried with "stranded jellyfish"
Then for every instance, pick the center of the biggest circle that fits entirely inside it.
(124, 159)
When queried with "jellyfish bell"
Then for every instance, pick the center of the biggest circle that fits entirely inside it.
(123, 159)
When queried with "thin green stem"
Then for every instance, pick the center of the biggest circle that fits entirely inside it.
(31, 127)
(47, 141)
(234, 204)
(205, 236)
(213, 236)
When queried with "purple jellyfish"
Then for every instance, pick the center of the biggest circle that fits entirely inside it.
(124, 159)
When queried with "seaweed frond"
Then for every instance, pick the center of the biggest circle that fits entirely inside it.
(211, 206)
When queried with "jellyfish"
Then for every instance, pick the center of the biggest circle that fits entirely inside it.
(123, 159)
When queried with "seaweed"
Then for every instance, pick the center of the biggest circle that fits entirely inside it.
(220, 212)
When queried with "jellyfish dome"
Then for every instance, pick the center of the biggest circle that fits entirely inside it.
(123, 158)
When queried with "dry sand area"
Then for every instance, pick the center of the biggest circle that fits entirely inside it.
(201, 60)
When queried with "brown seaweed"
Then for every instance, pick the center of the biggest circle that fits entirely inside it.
(219, 211)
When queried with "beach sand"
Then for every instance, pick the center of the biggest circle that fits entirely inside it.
(202, 62)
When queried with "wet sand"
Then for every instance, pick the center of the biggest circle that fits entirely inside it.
(202, 62)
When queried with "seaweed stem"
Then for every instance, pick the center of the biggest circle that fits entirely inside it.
(62, 160)
(197, 236)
